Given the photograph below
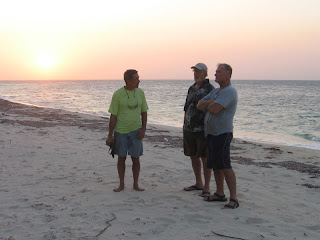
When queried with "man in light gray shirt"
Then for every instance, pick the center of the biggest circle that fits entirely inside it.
(221, 105)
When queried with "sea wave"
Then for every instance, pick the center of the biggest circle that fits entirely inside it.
(308, 136)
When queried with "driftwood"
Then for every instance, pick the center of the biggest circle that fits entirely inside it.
(221, 235)
(109, 225)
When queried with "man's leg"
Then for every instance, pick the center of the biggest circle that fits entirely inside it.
(219, 178)
(136, 172)
(196, 166)
(121, 172)
(207, 175)
(219, 194)
(232, 183)
(190, 149)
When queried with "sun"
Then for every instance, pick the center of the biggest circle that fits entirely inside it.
(45, 60)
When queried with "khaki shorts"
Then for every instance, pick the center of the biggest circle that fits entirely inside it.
(194, 144)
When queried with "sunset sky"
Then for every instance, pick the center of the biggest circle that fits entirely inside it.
(162, 39)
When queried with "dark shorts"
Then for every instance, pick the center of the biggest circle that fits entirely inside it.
(218, 154)
(194, 144)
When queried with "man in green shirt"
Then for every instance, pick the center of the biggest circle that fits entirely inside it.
(127, 126)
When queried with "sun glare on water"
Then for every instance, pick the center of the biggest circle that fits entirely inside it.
(45, 60)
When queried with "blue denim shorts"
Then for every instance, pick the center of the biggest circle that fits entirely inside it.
(128, 144)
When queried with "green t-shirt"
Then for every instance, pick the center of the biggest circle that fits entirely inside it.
(128, 106)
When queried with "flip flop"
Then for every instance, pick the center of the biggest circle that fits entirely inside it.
(192, 188)
(204, 194)
(235, 205)
(220, 198)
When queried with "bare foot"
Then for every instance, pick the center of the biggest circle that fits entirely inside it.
(118, 189)
(137, 188)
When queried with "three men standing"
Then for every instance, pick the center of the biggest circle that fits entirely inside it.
(129, 119)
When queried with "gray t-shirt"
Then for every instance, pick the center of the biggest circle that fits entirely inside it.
(216, 124)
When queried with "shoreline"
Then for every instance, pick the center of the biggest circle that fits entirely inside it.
(305, 144)
(57, 178)
(168, 136)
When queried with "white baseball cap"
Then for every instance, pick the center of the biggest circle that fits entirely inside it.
(201, 66)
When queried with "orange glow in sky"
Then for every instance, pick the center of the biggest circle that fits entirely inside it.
(100, 39)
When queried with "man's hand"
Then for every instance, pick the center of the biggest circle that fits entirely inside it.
(109, 141)
(215, 108)
(203, 104)
(141, 134)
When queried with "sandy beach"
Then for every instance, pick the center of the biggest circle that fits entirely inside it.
(57, 180)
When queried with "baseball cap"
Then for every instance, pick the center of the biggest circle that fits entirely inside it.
(201, 66)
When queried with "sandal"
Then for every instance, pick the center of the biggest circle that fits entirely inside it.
(204, 194)
(235, 205)
(219, 198)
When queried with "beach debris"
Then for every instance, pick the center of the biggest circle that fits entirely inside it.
(274, 149)
(50, 236)
(308, 185)
(63, 198)
(99, 179)
(291, 165)
(171, 141)
(221, 235)
(49, 118)
(235, 148)
(108, 223)
(42, 206)
(249, 161)
(300, 167)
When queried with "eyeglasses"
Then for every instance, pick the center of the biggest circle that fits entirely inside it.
(134, 104)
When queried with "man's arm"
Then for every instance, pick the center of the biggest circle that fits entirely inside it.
(142, 130)
(112, 125)
(214, 108)
(203, 104)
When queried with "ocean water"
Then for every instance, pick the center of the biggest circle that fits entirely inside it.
(281, 112)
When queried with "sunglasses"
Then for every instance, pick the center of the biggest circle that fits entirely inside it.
(133, 105)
